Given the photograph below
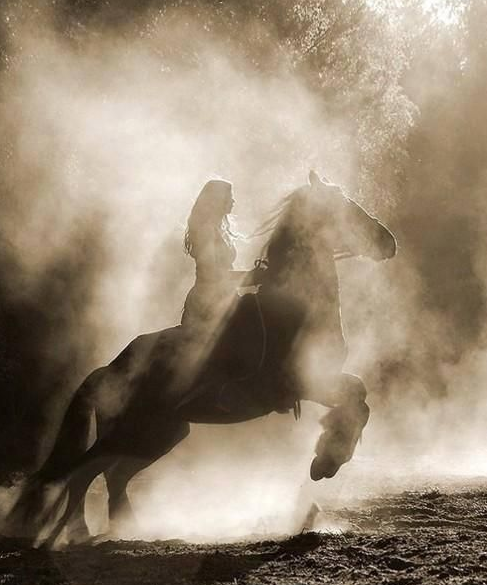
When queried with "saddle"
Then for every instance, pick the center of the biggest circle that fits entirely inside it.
(236, 354)
(240, 373)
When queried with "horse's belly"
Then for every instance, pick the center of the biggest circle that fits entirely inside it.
(207, 411)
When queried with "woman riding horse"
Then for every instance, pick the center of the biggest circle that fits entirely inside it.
(269, 337)
(210, 242)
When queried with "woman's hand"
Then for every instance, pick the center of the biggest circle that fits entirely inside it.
(256, 275)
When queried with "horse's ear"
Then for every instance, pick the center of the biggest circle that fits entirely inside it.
(314, 179)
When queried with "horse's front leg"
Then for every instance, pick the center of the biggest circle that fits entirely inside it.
(342, 389)
(342, 426)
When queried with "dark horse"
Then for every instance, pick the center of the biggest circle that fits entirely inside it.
(257, 363)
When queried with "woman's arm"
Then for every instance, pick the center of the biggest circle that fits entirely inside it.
(208, 261)
(204, 253)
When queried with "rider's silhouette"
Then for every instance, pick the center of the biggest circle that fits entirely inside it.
(211, 243)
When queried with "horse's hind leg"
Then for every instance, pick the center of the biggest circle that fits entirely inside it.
(95, 463)
(158, 441)
(77, 529)
(117, 477)
(143, 448)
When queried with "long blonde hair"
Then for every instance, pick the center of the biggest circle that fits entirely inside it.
(208, 209)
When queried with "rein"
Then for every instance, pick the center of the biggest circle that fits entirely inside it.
(264, 263)
(264, 346)
(297, 402)
(264, 334)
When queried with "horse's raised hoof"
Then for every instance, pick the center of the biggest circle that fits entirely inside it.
(323, 467)
(342, 429)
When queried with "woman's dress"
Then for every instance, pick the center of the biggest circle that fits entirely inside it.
(213, 290)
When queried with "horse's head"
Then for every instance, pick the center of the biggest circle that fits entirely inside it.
(345, 225)
(315, 225)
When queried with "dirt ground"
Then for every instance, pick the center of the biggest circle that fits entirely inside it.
(428, 535)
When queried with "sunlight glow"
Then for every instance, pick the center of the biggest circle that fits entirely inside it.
(442, 11)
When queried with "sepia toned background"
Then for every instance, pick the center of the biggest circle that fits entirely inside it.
(114, 113)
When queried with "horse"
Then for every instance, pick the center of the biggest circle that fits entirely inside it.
(255, 363)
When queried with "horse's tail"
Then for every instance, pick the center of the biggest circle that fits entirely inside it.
(71, 443)
(73, 437)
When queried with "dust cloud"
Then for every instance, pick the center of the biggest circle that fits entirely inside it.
(111, 137)
(110, 126)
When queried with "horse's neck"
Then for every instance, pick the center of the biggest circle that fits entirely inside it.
(310, 278)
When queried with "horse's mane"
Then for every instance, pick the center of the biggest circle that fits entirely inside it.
(299, 257)
(280, 217)
(284, 222)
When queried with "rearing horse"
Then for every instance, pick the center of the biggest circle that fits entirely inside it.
(146, 398)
